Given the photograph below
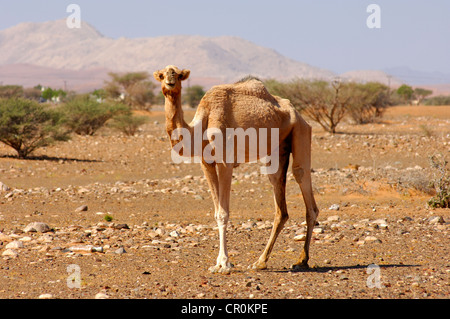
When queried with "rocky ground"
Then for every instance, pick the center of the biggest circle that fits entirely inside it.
(111, 216)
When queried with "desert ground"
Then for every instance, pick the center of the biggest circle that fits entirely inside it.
(375, 237)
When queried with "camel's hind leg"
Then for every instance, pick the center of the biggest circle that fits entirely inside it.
(278, 181)
(301, 168)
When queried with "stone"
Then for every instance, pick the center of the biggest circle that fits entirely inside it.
(334, 218)
(4, 188)
(248, 225)
(120, 251)
(4, 237)
(301, 237)
(46, 296)
(436, 220)
(37, 227)
(10, 253)
(82, 208)
(334, 207)
(15, 245)
(121, 226)
(101, 295)
(174, 234)
(372, 239)
(318, 230)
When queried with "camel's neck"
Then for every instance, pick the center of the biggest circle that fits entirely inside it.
(174, 113)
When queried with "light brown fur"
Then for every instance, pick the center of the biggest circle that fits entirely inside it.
(246, 105)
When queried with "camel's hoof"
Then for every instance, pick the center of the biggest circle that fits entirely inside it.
(220, 269)
(300, 266)
(259, 265)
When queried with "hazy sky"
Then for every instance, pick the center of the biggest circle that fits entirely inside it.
(330, 34)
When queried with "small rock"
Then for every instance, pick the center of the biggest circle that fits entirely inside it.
(248, 225)
(301, 237)
(46, 296)
(82, 208)
(153, 234)
(318, 230)
(121, 226)
(10, 253)
(190, 229)
(372, 239)
(4, 237)
(174, 234)
(37, 227)
(14, 245)
(436, 220)
(120, 251)
(4, 188)
(334, 218)
(334, 207)
(101, 295)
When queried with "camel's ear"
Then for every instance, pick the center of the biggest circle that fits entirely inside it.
(158, 75)
(184, 74)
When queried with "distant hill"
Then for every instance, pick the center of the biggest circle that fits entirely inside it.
(51, 54)
(226, 58)
(371, 76)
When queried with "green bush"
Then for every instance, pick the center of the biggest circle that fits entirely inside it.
(368, 101)
(26, 125)
(438, 100)
(85, 116)
(128, 123)
(193, 95)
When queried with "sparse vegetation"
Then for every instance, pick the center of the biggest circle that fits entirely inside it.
(441, 182)
(193, 95)
(85, 115)
(328, 103)
(406, 92)
(421, 94)
(26, 125)
(133, 88)
(128, 123)
(438, 100)
(368, 101)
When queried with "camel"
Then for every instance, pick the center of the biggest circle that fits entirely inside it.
(245, 104)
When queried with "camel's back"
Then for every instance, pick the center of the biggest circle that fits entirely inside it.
(246, 104)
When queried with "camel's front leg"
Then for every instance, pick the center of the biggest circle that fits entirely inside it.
(222, 216)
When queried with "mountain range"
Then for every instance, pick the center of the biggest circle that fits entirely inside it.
(52, 54)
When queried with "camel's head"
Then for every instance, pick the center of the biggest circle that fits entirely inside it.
(170, 78)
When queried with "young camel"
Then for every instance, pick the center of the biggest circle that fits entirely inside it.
(246, 104)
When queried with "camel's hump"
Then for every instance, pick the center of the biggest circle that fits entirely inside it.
(250, 87)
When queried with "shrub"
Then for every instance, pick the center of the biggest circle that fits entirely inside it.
(128, 123)
(85, 116)
(26, 125)
(10, 91)
(368, 101)
(441, 183)
(438, 100)
(135, 88)
(193, 95)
